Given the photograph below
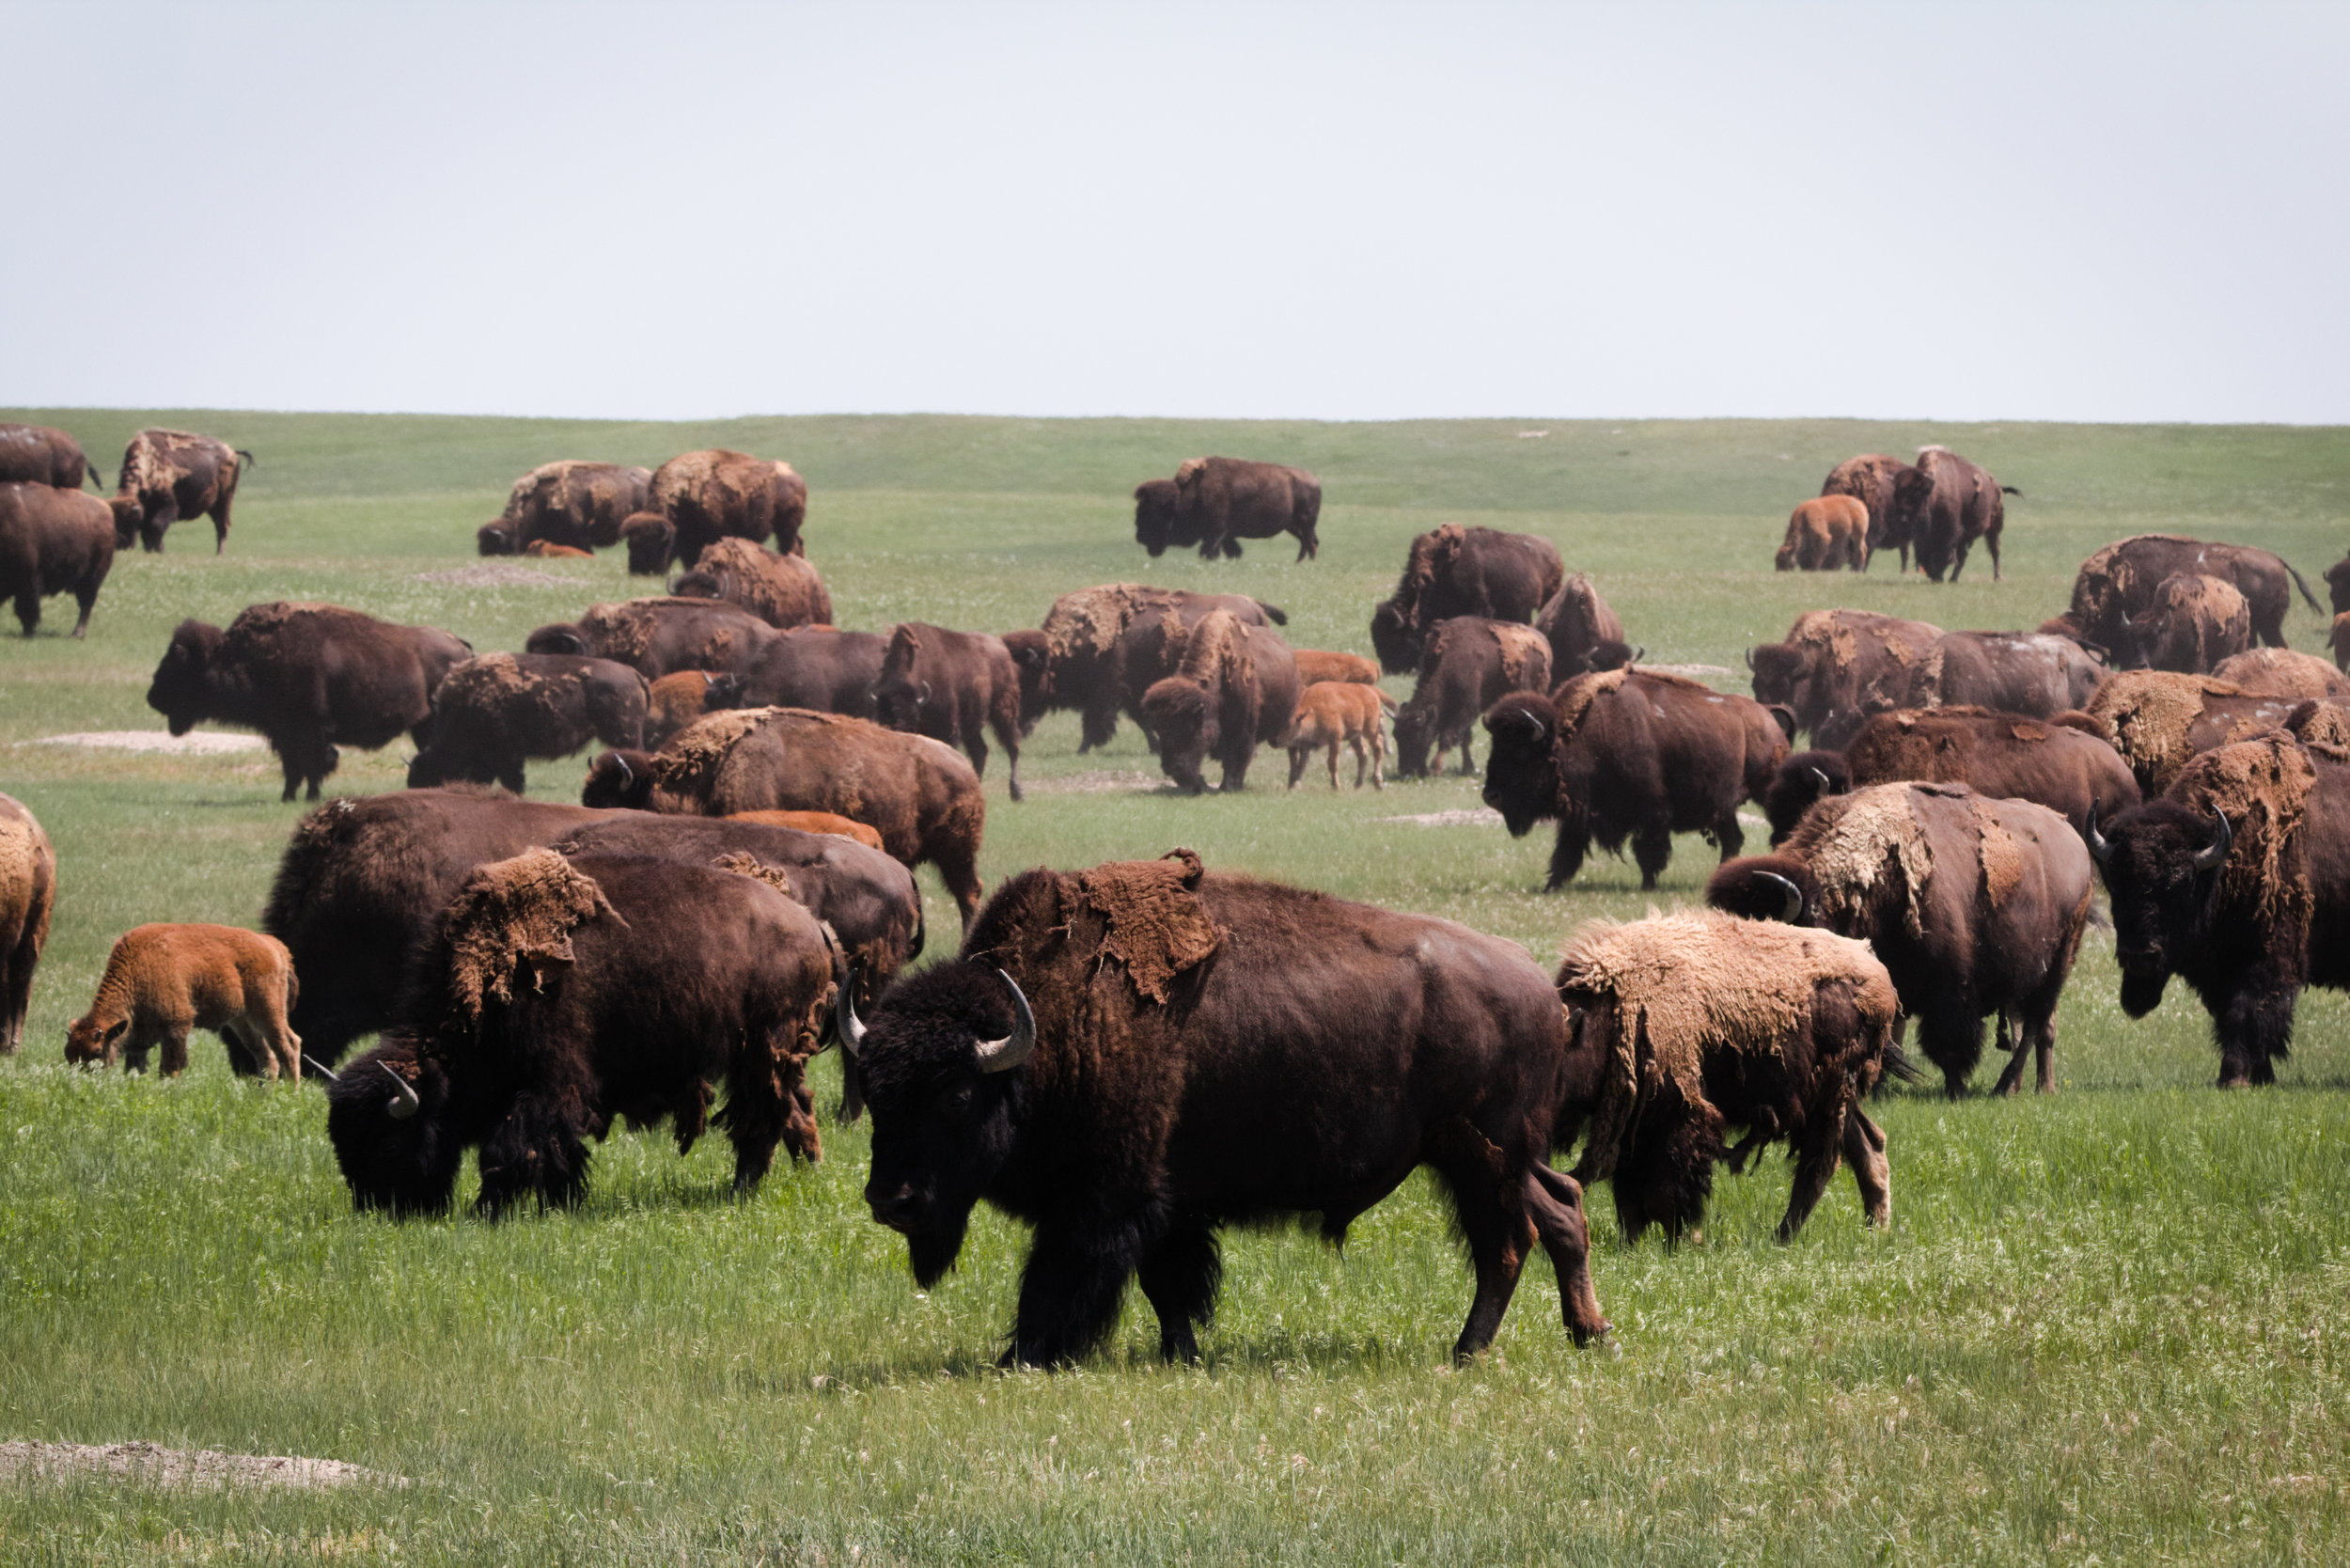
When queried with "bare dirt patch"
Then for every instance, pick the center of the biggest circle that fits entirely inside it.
(152, 1465)
(190, 744)
(1695, 672)
(497, 575)
(1473, 816)
(1105, 781)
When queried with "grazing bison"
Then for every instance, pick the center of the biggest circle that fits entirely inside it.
(2034, 673)
(782, 590)
(1220, 501)
(1825, 534)
(2122, 579)
(168, 474)
(1680, 1026)
(2237, 880)
(1130, 1057)
(1331, 714)
(952, 686)
(496, 538)
(2065, 767)
(650, 541)
(1315, 665)
(713, 494)
(817, 666)
(162, 980)
(557, 996)
(1628, 754)
(574, 503)
(1942, 505)
(1454, 571)
(2158, 720)
(28, 890)
(658, 636)
(920, 796)
(42, 454)
(1080, 660)
(1465, 664)
(53, 541)
(1234, 687)
(1869, 479)
(1975, 905)
(307, 677)
(677, 701)
(2195, 622)
(2281, 672)
(1584, 634)
(1837, 667)
(492, 713)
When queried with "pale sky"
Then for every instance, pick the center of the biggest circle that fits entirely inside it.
(1346, 211)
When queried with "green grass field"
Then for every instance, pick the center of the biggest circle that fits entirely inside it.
(2104, 1326)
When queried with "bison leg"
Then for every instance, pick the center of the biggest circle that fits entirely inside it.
(153, 524)
(537, 1147)
(1566, 855)
(1179, 1277)
(1097, 723)
(16, 986)
(2013, 1041)
(2254, 1025)
(1555, 1204)
(1070, 1289)
(1864, 1146)
(1362, 761)
(1667, 1174)
(1822, 1146)
(1332, 760)
(175, 1043)
(1299, 756)
(1950, 1035)
(1496, 1225)
(1652, 851)
(28, 608)
(86, 599)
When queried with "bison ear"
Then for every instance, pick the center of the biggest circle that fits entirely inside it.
(1193, 870)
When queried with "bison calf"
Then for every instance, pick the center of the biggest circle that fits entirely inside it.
(1823, 534)
(1331, 714)
(162, 980)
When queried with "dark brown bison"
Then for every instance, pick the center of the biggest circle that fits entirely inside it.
(1869, 479)
(2195, 622)
(1837, 667)
(2237, 880)
(2281, 672)
(1585, 635)
(1082, 658)
(650, 541)
(28, 890)
(1943, 504)
(713, 494)
(1217, 502)
(496, 538)
(1683, 1025)
(2158, 720)
(308, 677)
(952, 686)
(2065, 767)
(1824, 534)
(817, 666)
(1975, 905)
(53, 541)
(658, 636)
(1130, 1057)
(1453, 571)
(2122, 581)
(782, 590)
(491, 713)
(575, 503)
(2033, 673)
(1465, 664)
(559, 995)
(42, 454)
(920, 796)
(168, 474)
(1233, 688)
(1631, 754)
(2338, 586)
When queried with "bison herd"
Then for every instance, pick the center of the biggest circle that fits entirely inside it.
(1133, 1056)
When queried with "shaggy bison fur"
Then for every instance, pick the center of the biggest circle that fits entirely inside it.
(168, 474)
(491, 713)
(1835, 668)
(782, 590)
(715, 493)
(1465, 664)
(164, 980)
(1456, 570)
(659, 636)
(1235, 688)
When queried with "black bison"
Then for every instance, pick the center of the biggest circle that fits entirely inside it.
(1824, 534)
(1869, 479)
(2034, 673)
(1080, 660)
(1216, 502)
(1465, 664)
(573, 503)
(782, 590)
(2237, 880)
(1943, 504)
(1628, 754)
(168, 474)
(491, 713)
(42, 454)
(53, 541)
(2122, 580)
(28, 890)
(1130, 1057)
(557, 996)
(920, 796)
(952, 686)
(1234, 687)
(817, 666)
(1453, 571)
(713, 494)
(650, 541)
(1975, 906)
(659, 636)
(1836, 667)
(2196, 622)
(2159, 719)
(1680, 1026)
(2281, 672)
(308, 677)
(496, 538)
(2065, 767)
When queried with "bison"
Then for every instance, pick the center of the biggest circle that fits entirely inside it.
(2037, 674)
(713, 494)
(1331, 714)
(677, 701)
(307, 677)
(1131, 1056)
(53, 541)
(1823, 534)
(574, 503)
(2122, 581)
(952, 686)
(2281, 672)
(1454, 571)
(1465, 664)
(557, 996)
(162, 980)
(650, 541)
(1869, 479)
(2195, 622)
(817, 666)
(1082, 658)
(1632, 754)
(658, 636)
(1584, 634)
(1975, 905)
(1234, 687)
(168, 474)
(782, 590)
(1837, 667)
(2158, 720)
(42, 454)
(29, 891)
(1943, 504)
(1220, 501)
(491, 713)
(1315, 665)
(1682, 1024)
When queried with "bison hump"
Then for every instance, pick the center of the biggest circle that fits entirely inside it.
(1154, 923)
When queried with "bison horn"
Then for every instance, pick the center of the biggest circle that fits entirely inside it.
(2218, 850)
(1791, 910)
(1749, 658)
(320, 1068)
(628, 774)
(1827, 785)
(926, 694)
(2099, 845)
(1533, 725)
(1002, 1055)
(844, 1015)
(1637, 654)
(406, 1104)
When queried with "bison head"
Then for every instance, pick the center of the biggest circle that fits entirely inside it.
(129, 515)
(182, 688)
(88, 1039)
(1765, 888)
(899, 694)
(1802, 780)
(1913, 493)
(1414, 737)
(1782, 675)
(1154, 515)
(1785, 559)
(1395, 637)
(938, 1068)
(1033, 656)
(1521, 762)
(497, 537)
(698, 584)
(389, 1116)
(427, 771)
(619, 779)
(651, 540)
(2161, 866)
(1606, 654)
(1183, 723)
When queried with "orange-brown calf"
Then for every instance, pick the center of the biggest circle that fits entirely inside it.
(1824, 533)
(815, 822)
(162, 980)
(1335, 712)
(1315, 663)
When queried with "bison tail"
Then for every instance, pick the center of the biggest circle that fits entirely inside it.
(2010, 490)
(1898, 1065)
(2307, 596)
(1280, 617)
(94, 476)
(250, 461)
